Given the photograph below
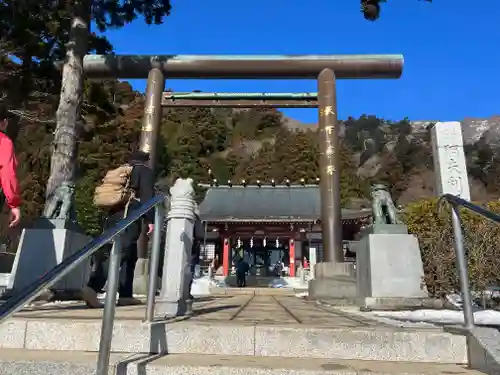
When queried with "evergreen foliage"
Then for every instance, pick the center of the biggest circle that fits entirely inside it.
(220, 143)
(432, 226)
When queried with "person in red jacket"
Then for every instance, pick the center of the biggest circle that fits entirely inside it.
(8, 165)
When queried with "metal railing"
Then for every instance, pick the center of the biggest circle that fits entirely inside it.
(461, 259)
(18, 301)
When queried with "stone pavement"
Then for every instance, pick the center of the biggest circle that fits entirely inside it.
(34, 362)
(245, 308)
(235, 325)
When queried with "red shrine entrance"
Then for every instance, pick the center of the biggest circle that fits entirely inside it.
(273, 228)
(267, 247)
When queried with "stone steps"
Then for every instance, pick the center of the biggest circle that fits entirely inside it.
(216, 291)
(238, 338)
(34, 362)
(334, 287)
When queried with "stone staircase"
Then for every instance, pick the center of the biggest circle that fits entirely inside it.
(228, 334)
(17, 362)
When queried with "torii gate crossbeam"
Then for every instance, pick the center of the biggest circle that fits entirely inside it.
(240, 100)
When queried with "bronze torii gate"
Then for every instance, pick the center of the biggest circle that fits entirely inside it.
(325, 68)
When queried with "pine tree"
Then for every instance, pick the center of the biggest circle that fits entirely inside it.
(303, 157)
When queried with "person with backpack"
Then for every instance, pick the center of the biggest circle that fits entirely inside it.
(8, 180)
(122, 191)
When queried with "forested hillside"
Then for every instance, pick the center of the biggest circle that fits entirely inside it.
(399, 153)
(251, 144)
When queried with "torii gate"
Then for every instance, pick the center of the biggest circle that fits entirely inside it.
(325, 68)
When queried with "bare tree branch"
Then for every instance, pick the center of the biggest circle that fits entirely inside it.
(30, 116)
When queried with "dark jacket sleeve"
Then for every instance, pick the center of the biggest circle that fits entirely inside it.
(142, 182)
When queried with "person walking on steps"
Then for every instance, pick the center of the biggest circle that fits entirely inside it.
(8, 180)
(136, 186)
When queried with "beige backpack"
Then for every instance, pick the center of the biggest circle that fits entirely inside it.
(114, 190)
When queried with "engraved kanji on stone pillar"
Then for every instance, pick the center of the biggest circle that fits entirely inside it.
(449, 159)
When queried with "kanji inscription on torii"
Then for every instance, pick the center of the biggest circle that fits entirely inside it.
(330, 151)
(328, 111)
(146, 148)
(150, 111)
(449, 159)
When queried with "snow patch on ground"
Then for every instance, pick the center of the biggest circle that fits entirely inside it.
(288, 282)
(354, 311)
(484, 317)
(279, 283)
(202, 285)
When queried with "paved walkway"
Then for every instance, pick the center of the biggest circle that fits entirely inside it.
(193, 364)
(247, 325)
(246, 309)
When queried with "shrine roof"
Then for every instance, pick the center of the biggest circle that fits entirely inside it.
(294, 203)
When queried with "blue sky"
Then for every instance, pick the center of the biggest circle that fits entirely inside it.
(451, 50)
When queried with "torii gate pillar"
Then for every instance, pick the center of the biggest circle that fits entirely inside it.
(149, 143)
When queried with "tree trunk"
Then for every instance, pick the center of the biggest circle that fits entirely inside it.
(65, 144)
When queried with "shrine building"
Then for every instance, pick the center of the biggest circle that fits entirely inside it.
(268, 225)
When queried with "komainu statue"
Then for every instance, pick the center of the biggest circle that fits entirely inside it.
(60, 205)
(384, 210)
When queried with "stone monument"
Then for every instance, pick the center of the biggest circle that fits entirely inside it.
(388, 262)
(449, 159)
(53, 238)
(174, 299)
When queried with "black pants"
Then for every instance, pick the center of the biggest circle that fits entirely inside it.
(192, 267)
(241, 279)
(99, 274)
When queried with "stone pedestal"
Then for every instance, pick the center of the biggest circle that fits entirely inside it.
(389, 267)
(383, 229)
(174, 299)
(6, 263)
(42, 249)
(333, 281)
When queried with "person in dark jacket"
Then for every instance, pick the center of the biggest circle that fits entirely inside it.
(242, 268)
(142, 182)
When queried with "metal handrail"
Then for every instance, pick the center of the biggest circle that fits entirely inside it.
(461, 259)
(453, 199)
(18, 301)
